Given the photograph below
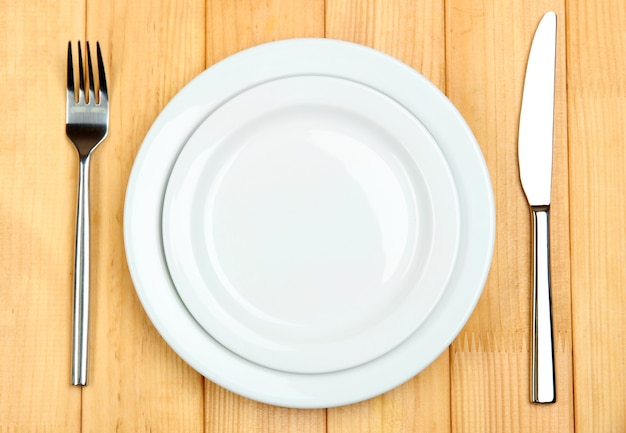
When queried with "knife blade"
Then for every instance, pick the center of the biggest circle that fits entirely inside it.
(535, 141)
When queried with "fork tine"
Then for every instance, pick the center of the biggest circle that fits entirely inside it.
(92, 93)
(81, 76)
(70, 73)
(101, 76)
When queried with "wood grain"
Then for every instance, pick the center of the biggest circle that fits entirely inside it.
(487, 49)
(412, 31)
(37, 205)
(597, 108)
(137, 382)
(421, 404)
(228, 412)
(232, 27)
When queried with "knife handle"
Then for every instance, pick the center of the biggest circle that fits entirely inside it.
(543, 382)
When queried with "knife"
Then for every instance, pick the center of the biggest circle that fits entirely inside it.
(535, 163)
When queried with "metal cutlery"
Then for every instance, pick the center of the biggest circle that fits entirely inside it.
(535, 162)
(86, 125)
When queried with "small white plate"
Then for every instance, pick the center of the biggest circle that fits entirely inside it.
(181, 117)
(310, 224)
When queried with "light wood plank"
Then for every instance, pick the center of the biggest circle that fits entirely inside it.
(597, 109)
(489, 376)
(137, 382)
(229, 412)
(231, 27)
(421, 404)
(412, 31)
(487, 49)
(36, 218)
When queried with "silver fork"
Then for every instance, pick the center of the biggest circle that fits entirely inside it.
(86, 125)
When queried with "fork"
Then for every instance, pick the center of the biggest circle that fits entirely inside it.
(86, 125)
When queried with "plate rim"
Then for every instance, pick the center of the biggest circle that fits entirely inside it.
(317, 391)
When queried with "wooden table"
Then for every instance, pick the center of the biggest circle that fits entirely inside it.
(474, 50)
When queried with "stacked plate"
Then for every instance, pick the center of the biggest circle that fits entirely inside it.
(309, 223)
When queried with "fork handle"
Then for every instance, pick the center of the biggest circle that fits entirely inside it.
(543, 384)
(80, 333)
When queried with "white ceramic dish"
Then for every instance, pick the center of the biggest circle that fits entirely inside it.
(310, 224)
(178, 121)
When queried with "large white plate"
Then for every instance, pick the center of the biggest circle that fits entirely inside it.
(176, 123)
(310, 224)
